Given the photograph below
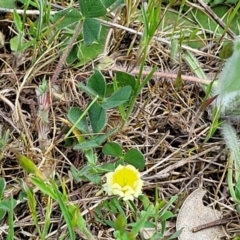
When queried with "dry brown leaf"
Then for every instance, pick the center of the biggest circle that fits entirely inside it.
(192, 214)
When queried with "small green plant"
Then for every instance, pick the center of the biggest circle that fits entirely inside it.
(70, 212)
(121, 93)
(5, 204)
(92, 171)
(89, 136)
(104, 96)
(226, 105)
(83, 25)
(37, 29)
(50, 192)
(132, 222)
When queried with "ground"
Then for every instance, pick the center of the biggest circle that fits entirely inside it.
(166, 125)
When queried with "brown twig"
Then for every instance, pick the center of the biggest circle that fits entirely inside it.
(211, 224)
(166, 75)
(66, 52)
(216, 18)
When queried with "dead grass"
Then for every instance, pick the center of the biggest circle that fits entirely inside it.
(177, 160)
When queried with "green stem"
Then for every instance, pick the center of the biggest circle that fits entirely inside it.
(230, 177)
(81, 117)
(140, 86)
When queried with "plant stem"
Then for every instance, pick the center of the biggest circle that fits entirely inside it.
(66, 52)
(81, 117)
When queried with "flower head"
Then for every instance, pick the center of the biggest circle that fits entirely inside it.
(125, 182)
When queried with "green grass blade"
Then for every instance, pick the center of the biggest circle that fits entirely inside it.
(10, 235)
(47, 218)
(64, 211)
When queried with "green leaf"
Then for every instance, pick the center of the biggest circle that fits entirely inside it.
(226, 51)
(18, 22)
(6, 204)
(167, 215)
(145, 201)
(94, 142)
(2, 187)
(112, 149)
(73, 55)
(91, 30)
(87, 53)
(64, 211)
(108, 3)
(120, 223)
(149, 224)
(87, 90)
(97, 83)
(88, 144)
(179, 81)
(28, 165)
(91, 156)
(85, 175)
(237, 189)
(93, 178)
(24, 46)
(2, 213)
(73, 115)
(92, 8)
(80, 222)
(7, 4)
(106, 167)
(169, 203)
(182, 25)
(125, 79)
(135, 158)
(109, 89)
(14, 43)
(174, 51)
(43, 187)
(98, 117)
(176, 234)
(116, 5)
(75, 174)
(157, 235)
(140, 224)
(67, 17)
(227, 88)
(118, 98)
(232, 1)
(215, 124)
(194, 65)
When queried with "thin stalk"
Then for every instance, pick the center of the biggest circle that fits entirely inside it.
(66, 52)
(230, 177)
(80, 118)
(144, 45)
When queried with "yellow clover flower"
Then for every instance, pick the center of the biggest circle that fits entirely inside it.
(125, 182)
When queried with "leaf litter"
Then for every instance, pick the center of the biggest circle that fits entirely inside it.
(159, 128)
(193, 213)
